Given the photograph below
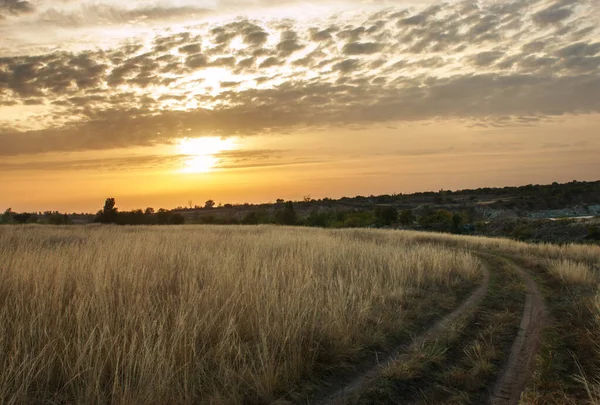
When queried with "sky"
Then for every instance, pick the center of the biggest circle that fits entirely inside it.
(163, 103)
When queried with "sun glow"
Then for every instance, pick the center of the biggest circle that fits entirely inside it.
(201, 153)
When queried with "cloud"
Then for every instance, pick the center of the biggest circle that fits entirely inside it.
(270, 62)
(196, 61)
(320, 35)
(190, 49)
(92, 14)
(553, 14)
(486, 58)
(347, 65)
(534, 46)
(580, 49)
(233, 159)
(289, 44)
(301, 104)
(15, 7)
(357, 48)
(414, 20)
(473, 61)
(104, 164)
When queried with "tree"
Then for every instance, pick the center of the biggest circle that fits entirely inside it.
(22, 218)
(109, 214)
(406, 217)
(286, 215)
(7, 218)
(440, 220)
(176, 219)
(209, 204)
(280, 201)
(386, 216)
(457, 222)
(162, 216)
(56, 218)
(149, 211)
(251, 218)
(594, 232)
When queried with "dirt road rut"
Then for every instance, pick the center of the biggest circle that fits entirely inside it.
(518, 368)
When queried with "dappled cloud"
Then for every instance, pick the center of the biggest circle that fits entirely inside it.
(492, 63)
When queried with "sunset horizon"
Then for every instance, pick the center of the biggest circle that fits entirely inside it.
(157, 103)
(300, 202)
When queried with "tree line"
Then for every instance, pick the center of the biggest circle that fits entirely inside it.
(284, 214)
(110, 214)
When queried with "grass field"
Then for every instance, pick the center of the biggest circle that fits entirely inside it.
(248, 315)
(200, 314)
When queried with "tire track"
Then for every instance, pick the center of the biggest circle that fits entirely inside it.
(361, 381)
(518, 368)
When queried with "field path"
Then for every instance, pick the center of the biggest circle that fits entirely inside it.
(338, 394)
(518, 368)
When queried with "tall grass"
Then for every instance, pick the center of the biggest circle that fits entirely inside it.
(199, 314)
(572, 272)
(589, 254)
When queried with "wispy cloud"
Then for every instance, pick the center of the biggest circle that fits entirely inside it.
(234, 159)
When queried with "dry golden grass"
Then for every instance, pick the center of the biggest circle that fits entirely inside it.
(582, 253)
(576, 265)
(217, 314)
(571, 271)
(199, 314)
(572, 263)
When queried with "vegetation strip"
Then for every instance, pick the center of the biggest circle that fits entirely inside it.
(434, 331)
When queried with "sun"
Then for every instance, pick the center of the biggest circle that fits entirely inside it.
(201, 152)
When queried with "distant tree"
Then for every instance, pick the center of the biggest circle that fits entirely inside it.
(251, 218)
(109, 205)
(440, 220)
(316, 218)
(22, 218)
(594, 232)
(457, 223)
(7, 217)
(176, 219)
(257, 217)
(108, 215)
(56, 218)
(190, 204)
(307, 198)
(162, 216)
(406, 217)
(280, 201)
(386, 216)
(209, 204)
(286, 215)
(149, 211)
(207, 219)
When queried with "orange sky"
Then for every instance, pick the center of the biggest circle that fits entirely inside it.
(158, 104)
